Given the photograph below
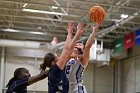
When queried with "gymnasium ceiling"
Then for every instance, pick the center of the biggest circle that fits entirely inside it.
(19, 23)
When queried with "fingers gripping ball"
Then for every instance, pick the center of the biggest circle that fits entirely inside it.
(96, 14)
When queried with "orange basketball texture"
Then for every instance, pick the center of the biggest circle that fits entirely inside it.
(96, 14)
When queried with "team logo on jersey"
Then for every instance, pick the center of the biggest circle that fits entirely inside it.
(72, 61)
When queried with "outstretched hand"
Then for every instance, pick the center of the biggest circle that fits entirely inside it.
(96, 26)
(80, 28)
(70, 27)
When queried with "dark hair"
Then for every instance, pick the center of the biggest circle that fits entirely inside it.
(84, 42)
(80, 51)
(16, 76)
(48, 59)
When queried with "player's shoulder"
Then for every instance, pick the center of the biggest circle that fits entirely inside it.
(72, 61)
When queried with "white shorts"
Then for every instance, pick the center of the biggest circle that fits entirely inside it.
(79, 88)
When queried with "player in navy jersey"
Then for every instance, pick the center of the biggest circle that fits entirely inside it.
(22, 79)
(76, 66)
(57, 64)
(65, 82)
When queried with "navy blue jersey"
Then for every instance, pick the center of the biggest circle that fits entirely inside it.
(65, 82)
(57, 80)
(54, 79)
(19, 86)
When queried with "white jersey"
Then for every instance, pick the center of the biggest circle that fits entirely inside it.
(74, 71)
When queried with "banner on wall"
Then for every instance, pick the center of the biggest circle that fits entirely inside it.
(129, 40)
(118, 45)
(137, 37)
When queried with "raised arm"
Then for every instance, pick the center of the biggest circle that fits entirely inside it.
(88, 45)
(77, 35)
(62, 60)
(69, 45)
(74, 40)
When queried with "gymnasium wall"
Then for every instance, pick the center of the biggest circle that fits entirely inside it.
(27, 58)
(131, 72)
(98, 79)
(0, 60)
(0, 65)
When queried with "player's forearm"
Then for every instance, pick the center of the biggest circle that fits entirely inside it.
(43, 74)
(91, 39)
(74, 41)
(38, 77)
(68, 41)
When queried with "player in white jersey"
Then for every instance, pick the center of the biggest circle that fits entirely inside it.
(76, 66)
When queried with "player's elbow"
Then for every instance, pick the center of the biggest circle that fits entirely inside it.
(88, 46)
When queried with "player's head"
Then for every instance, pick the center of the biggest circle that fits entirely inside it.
(18, 73)
(79, 47)
(21, 72)
(49, 60)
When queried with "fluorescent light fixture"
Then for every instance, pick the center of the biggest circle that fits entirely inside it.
(124, 16)
(31, 32)
(10, 30)
(44, 12)
(39, 33)
(54, 7)
(24, 5)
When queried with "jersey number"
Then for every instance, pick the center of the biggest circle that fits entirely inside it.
(68, 69)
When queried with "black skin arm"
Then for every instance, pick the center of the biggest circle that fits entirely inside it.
(36, 78)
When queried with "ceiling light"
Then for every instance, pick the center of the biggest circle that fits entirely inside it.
(24, 5)
(124, 16)
(39, 33)
(10, 30)
(44, 12)
(31, 32)
(54, 7)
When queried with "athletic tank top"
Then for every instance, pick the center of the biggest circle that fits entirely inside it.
(74, 71)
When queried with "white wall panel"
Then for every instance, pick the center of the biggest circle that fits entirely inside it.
(138, 75)
(103, 80)
(98, 80)
(88, 78)
(131, 76)
(26, 52)
(129, 80)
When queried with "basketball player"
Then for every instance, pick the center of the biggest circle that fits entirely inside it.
(57, 64)
(22, 79)
(76, 66)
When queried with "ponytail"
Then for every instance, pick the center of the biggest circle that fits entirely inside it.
(43, 66)
(48, 59)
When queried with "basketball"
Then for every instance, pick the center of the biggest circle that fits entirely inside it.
(96, 14)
